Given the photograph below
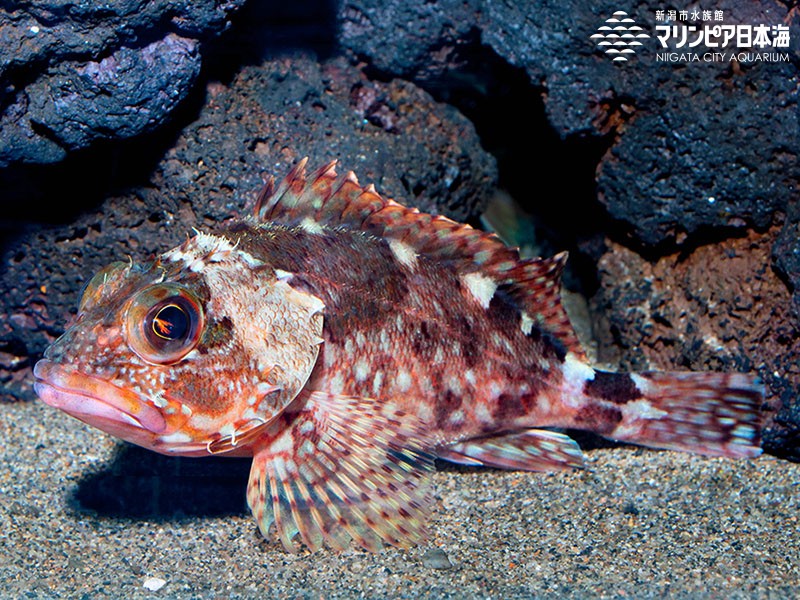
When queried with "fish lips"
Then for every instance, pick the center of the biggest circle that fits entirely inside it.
(96, 402)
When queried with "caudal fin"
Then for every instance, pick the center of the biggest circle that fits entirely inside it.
(716, 414)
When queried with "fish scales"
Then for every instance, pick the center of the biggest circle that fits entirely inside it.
(417, 331)
(344, 341)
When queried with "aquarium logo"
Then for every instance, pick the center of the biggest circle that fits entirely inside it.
(703, 36)
(619, 37)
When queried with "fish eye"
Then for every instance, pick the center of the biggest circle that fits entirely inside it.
(164, 323)
(170, 322)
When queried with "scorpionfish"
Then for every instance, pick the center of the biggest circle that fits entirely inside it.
(345, 341)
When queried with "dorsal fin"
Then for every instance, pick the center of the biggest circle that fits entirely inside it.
(334, 201)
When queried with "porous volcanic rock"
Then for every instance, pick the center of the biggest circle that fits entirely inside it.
(391, 134)
(408, 39)
(692, 146)
(717, 307)
(76, 72)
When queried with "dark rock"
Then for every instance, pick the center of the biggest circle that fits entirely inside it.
(674, 167)
(407, 39)
(125, 94)
(73, 73)
(786, 253)
(679, 167)
(719, 307)
(391, 134)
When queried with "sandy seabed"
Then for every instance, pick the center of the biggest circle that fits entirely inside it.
(634, 524)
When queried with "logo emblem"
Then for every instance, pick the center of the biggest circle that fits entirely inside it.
(620, 36)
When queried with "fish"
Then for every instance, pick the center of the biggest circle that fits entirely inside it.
(346, 342)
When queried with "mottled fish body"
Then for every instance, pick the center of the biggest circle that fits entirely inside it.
(344, 341)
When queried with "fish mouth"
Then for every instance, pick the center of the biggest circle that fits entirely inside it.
(95, 401)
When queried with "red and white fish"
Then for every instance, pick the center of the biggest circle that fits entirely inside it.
(344, 341)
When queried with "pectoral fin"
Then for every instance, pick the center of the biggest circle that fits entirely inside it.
(342, 468)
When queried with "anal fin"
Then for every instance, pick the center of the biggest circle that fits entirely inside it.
(528, 450)
(342, 468)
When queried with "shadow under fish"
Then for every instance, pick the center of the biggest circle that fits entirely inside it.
(141, 484)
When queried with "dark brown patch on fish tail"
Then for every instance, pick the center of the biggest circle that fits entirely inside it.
(618, 388)
(597, 418)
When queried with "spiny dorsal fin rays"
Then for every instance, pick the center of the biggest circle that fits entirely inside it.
(289, 194)
(334, 201)
(346, 468)
(264, 196)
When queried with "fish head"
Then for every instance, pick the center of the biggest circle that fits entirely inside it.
(191, 354)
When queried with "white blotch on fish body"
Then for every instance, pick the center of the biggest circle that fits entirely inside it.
(403, 253)
(481, 287)
(456, 418)
(425, 412)
(482, 413)
(336, 385)
(469, 376)
(642, 409)
(331, 359)
(227, 430)
(576, 374)
(642, 384)
(454, 385)
(311, 226)
(361, 339)
(377, 383)
(403, 380)
(543, 404)
(283, 444)
(526, 323)
(361, 370)
(576, 371)
(306, 449)
(159, 400)
(385, 344)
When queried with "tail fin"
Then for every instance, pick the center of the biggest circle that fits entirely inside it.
(716, 414)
